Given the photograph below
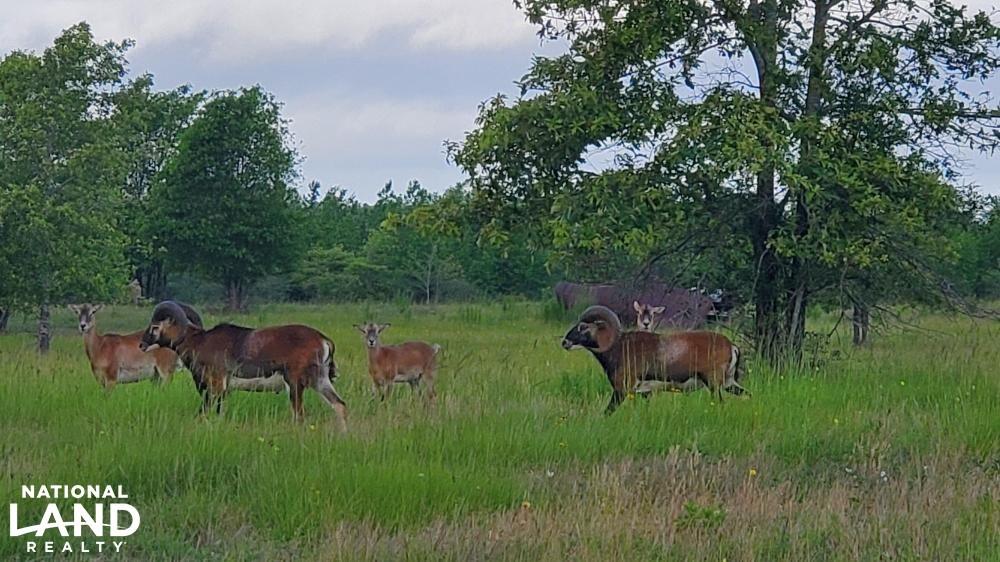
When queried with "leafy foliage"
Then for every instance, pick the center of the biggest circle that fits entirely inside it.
(227, 207)
(60, 172)
(817, 156)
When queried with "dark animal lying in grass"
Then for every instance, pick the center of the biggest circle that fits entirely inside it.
(681, 308)
(645, 361)
(301, 355)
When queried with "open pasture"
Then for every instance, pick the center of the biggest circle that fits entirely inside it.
(890, 452)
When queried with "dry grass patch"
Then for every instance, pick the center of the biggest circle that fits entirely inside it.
(686, 507)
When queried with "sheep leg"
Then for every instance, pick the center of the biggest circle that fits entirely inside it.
(735, 389)
(617, 397)
(713, 390)
(108, 381)
(212, 386)
(295, 396)
(164, 371)
(202, 387)
(218, 386)
(429, 388)
(325, 389)
(427, 377)
(206, 401)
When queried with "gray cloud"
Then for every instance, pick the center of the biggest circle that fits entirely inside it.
(242, 31)
(373, 88)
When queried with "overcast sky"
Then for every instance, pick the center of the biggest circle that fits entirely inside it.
(373, 87)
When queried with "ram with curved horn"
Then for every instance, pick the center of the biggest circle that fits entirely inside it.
(301, 355)
(644, 361)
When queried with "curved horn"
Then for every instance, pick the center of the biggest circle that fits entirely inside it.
(170, 310)
(598, 312)
(191, 313)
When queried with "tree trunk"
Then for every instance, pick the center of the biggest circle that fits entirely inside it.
(44, 329)
(4, 318)
(796, 319)
(429, 277)
(235, 295)
(769, 282)
(154, 281)
(861, 321)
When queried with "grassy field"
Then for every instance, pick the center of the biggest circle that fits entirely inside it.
(891, 452)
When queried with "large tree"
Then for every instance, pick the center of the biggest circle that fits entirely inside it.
(59, 175)
(147, 124)
(226, 208)
(817, 134)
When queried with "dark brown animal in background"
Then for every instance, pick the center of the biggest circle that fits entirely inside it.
(683, 308)
(642, 361)
(116, 358)
(301, 355)
(412, 362)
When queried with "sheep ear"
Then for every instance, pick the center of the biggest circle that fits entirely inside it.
(383, 326)
(74, 308)
(658, 309)
(96, 307)
(359, 328)
(636, 306)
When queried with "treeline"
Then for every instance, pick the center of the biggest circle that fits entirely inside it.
(198, 195)
(104, 179)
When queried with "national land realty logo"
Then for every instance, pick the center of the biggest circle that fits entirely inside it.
(86, 520)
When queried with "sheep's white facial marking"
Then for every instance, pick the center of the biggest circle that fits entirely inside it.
(154, 335)
(581, 336)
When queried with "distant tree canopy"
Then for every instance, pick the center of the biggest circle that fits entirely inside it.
(373, 251)
(806, 144)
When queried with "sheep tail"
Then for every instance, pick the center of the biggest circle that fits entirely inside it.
(735, 370)
(328, 350)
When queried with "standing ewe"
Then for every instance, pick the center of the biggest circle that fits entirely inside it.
(116, 358)
(411, 362)
(641, 361)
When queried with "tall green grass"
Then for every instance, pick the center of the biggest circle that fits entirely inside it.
(511, 403)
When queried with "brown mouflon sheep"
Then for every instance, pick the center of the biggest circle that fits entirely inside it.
(412, 362)
(301, 355)
(116, 358)
(640, 361)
